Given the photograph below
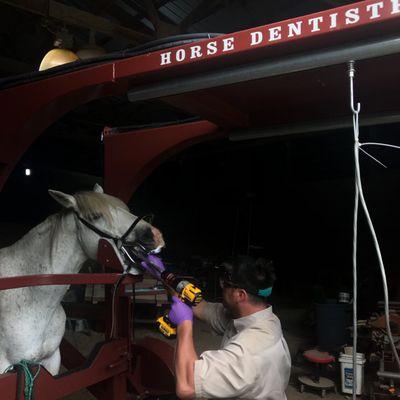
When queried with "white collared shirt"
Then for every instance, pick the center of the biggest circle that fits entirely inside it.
(253, 362)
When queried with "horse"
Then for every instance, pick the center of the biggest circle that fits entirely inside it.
(32, 320)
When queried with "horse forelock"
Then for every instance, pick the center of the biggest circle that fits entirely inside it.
(93, 205)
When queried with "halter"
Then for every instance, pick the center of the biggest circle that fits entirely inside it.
(133, 252)
(119, 241)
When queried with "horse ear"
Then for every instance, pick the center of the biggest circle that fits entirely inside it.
(97, 188)
(66, 200)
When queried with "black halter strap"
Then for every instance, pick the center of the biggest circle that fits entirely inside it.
(95, 229)
(107, 235)
(131, 228)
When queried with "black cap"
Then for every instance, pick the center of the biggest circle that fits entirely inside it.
(256, 276)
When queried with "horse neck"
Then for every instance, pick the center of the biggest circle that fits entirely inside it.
(51, 247)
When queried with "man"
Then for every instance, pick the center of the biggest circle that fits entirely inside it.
(254, 360)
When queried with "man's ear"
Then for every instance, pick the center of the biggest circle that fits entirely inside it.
(242, 295)
(66, 200)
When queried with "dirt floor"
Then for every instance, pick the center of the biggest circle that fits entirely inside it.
(296, 335)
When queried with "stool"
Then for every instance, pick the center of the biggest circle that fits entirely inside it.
(316, 381)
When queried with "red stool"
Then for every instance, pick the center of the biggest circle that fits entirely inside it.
(316, 381)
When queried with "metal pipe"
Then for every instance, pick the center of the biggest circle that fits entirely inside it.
(316, 126)
(389, 375)
(265, 69)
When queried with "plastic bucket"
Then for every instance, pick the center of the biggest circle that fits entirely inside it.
(346, 369)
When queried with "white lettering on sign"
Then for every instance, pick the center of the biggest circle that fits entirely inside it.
(256, 38)
(228, 44)
(294, 29)
(180, 55)
(314, 22)
(195, 52)
(374, 8)
(275, 33)
(395, 6)
(323, 22)
(333, 18)
(211, 48)
(352, 16)
(166, 58)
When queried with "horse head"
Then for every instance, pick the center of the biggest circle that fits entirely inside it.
(100, 215)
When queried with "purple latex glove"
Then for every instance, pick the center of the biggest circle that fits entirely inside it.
(179, 312)
(155, 272)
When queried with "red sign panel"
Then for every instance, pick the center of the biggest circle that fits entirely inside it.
(337, 19)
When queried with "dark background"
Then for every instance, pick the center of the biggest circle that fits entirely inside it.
(291, 199)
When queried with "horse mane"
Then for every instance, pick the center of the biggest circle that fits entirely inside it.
(93, 205)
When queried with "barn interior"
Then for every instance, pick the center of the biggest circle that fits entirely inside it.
(283, 189)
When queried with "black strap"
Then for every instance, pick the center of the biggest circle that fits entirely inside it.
(130, 229)
(97, 230)
(107, 235)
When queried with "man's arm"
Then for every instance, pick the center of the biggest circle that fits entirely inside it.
(185, 357)
(199, 310)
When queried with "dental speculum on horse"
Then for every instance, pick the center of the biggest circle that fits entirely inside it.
(32, 320)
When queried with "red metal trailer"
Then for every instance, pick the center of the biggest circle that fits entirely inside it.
(284, 78)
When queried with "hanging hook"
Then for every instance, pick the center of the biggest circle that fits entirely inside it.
(352, 72)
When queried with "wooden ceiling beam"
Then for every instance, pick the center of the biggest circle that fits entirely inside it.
(74, 16)
(108, 7)
(143, 11)
(202, 11)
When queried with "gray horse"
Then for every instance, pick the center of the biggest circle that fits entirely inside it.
(32, 320)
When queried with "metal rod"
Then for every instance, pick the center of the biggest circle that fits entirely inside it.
(389, 375)
(266, 68)
(312, 126)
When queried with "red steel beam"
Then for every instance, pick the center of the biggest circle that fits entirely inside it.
(129, 157)
(153, 357)
(73, 359)
(211, 108)
(28, 109)
(14, 282)
(112, 360)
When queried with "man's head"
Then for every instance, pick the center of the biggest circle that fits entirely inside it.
(246, 284)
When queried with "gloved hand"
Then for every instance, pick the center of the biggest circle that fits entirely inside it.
(155, 272)
(179, 312)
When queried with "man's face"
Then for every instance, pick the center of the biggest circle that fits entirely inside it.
(229, 296)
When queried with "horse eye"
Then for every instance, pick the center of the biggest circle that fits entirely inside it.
(94, 217)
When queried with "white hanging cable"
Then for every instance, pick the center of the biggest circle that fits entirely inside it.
(379, 144)
(369, 155)
(355, 226)
(359, 196)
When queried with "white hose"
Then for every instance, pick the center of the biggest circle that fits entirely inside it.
(359, 196)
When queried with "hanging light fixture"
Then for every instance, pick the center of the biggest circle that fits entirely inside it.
(60, 54)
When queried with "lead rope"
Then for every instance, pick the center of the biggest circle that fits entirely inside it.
(24, 366)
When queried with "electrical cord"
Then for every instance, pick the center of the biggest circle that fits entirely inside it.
(359, 196)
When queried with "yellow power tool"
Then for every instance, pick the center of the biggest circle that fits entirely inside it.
(187, 293)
